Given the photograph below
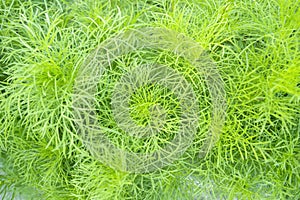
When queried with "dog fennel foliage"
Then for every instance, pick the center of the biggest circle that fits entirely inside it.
(256, 46)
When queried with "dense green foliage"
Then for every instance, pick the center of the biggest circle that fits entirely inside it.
(256, 46)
